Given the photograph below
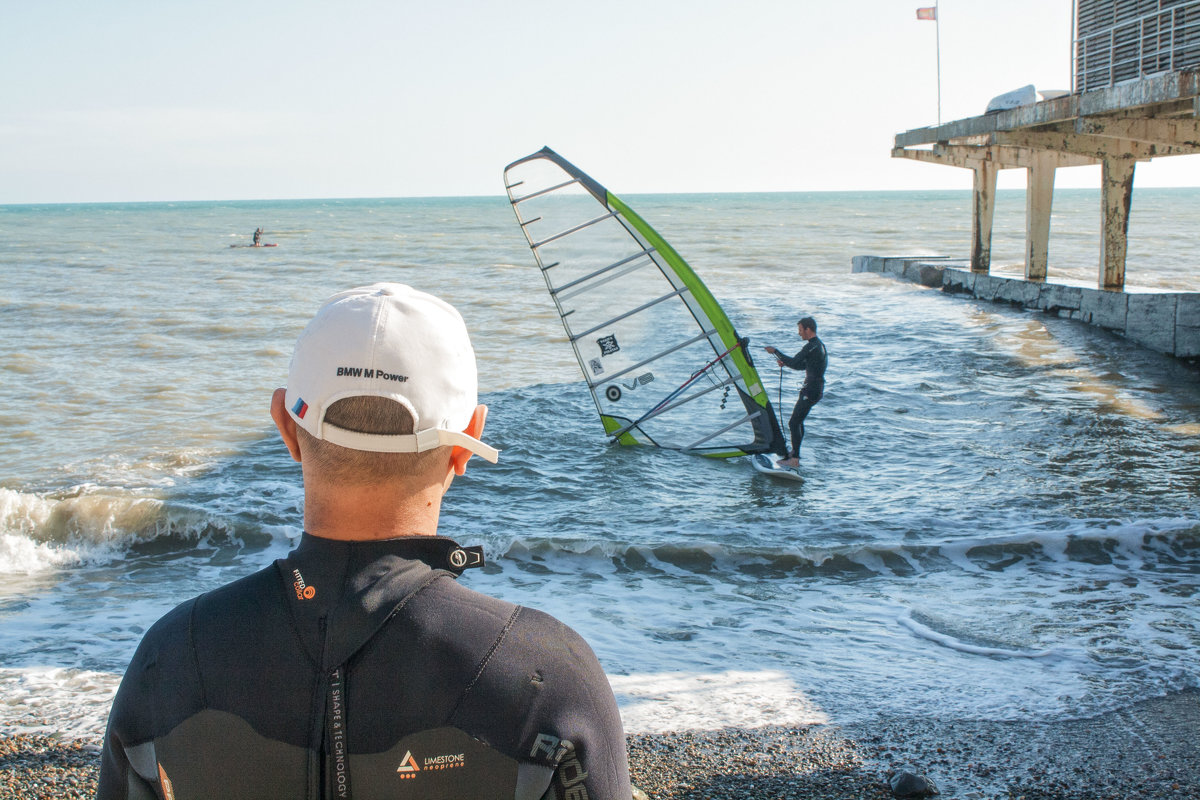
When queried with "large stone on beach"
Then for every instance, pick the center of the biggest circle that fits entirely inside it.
(907, 784)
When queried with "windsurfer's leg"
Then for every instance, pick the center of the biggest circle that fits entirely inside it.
(796, 423)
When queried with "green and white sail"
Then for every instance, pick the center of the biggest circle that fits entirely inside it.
(662, 360)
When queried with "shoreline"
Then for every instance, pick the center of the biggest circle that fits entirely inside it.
(1148, 750)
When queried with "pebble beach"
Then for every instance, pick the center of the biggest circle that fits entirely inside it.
(1148, 750)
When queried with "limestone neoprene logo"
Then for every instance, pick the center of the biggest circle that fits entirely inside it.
(409, 768)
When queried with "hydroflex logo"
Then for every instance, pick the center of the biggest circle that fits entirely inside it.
(303, 590)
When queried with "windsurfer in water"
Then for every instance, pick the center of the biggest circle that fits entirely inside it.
(813, 359)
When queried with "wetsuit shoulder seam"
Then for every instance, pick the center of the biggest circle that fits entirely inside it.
(191, 634)
(434, 576)
(483, 663)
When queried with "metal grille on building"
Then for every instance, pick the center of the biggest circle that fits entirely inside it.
(1123, 40)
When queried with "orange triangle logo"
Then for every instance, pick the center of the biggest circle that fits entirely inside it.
(409, 764)
(164, 783)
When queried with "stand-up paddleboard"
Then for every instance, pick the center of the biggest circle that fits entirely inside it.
(272, 244)
(764, 463)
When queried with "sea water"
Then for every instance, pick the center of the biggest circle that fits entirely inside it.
(999, 518)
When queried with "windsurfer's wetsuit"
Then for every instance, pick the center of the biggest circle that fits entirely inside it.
(813, 359)
(363, 669)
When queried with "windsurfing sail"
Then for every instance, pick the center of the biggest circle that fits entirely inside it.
(662, 360)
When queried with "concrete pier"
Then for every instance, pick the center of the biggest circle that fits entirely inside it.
(1114, 127)
(1167, 322)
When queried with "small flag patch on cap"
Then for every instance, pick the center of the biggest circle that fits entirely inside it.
(300, 409)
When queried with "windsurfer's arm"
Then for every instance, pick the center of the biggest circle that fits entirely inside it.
(779, 357)
(794, 362)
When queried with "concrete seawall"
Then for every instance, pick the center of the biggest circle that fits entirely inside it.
(1168, 322)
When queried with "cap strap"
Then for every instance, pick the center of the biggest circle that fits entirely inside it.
(407, 443)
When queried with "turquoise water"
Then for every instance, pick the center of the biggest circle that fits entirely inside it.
(1000, 516)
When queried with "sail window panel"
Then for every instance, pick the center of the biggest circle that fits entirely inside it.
(710, 404)
(588, 251)
(667, 407)
(605, 275)
(644, 307)
(549, 217)
(620, 339)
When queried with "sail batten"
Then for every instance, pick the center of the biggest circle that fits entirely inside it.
(541, 192)
(676, 404)
(572, 231)
(608, 322)
(616, 375)
(662, 360)
(642, 254)
(595, 285)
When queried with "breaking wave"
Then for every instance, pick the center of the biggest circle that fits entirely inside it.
(89, 525)
(1158, 543)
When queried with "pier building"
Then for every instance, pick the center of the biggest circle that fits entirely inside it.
(1135, 96)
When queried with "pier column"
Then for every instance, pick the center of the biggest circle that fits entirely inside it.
(1039, 196)
(984, 197)
(1116, 194)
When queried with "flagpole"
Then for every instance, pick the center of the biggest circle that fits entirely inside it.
(937, 21)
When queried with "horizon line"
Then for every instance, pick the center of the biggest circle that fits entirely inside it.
(503, 197)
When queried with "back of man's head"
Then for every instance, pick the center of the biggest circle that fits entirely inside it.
(382, 382)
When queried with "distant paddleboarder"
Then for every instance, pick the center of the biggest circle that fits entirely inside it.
(813, 359)
(258, 237)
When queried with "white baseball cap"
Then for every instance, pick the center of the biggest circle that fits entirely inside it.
(387, 340)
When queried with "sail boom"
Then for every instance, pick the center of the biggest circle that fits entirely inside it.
(748, 418)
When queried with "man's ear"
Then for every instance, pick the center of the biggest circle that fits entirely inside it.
(460, 455)
(285, 423)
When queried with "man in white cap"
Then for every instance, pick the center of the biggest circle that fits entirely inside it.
(358, 664)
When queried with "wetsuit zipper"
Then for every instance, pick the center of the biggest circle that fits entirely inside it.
(338, 754)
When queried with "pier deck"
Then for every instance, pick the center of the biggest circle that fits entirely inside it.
(1115, 127)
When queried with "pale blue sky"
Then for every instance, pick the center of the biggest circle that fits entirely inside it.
(119, 101)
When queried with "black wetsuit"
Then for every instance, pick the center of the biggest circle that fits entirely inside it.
(813, 359)
(363, 669)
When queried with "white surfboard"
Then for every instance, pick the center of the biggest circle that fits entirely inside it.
(765, 463)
